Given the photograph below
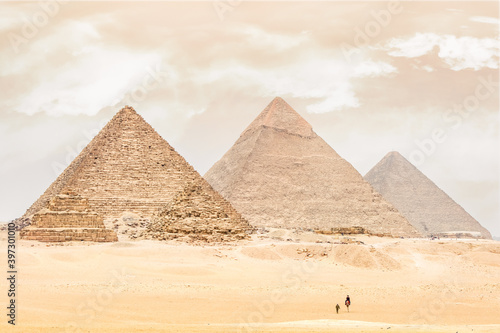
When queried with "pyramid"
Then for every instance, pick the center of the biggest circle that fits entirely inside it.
(127, 168)
(200, 215)
(280, 173)
(430, 210)
(68, 217)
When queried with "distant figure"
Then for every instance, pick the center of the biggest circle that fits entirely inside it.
(337, 308)
(347, 302)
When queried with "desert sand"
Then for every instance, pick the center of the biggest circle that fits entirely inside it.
(278, 281)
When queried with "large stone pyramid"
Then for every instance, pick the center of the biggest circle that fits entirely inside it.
(423, 203)
(279, 173)
(127, 167)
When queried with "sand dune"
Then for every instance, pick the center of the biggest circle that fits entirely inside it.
(273, 283)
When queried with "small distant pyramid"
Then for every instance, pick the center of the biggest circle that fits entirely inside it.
(423, 203)
(127, 167)
(280, 173)
(199, 214)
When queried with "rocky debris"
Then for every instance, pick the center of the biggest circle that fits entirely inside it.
(348, 240)
(311, 254)
(128, 168)
(428, 208)
(199, 214)
(67, 217)
(20, 223)
(343, 231)
(129, 226)
(281, 174)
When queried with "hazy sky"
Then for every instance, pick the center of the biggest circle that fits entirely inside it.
(371, 77)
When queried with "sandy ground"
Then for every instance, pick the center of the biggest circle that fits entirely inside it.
(278, 282)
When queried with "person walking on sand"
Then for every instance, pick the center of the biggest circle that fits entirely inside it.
(337, 307)
(347, 302)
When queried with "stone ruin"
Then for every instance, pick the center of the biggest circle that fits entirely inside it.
(199, 214)
(127, 169)
(427, 207)
(68, 217)
(281, 174)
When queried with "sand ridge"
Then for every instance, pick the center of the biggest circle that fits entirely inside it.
(272, 283)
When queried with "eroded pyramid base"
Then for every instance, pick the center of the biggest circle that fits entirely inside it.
(68, 217)
(67, 235)
(198, 213)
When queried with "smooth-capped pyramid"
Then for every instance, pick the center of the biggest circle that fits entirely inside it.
(423, 203)
(279, 173)
(127, 167)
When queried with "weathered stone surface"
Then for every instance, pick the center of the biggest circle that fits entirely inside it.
(67, 218)
(66, 235)
(127, 168)
(423, 203)
(46, 218)
(279, 173)
(200, 213)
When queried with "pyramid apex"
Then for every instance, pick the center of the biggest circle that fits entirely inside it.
(128, 113)
(127, 108)
(393, 153)
(391, 160)
(281, 116)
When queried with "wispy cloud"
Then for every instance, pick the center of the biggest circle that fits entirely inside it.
(263, 39)
(77, 86)
(457, 52)
(485, 19)
(372, 68)
(416, 46)
(313, 76)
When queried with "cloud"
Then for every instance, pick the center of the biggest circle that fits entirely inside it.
(76, 88)
(313, 75)
(193, 113)
(326, 79)
(342, 97)
(73, 72)
(264, 39)
(469, 52)
(457, 52)
(413, 47)
(485, 19)
(372, 68)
